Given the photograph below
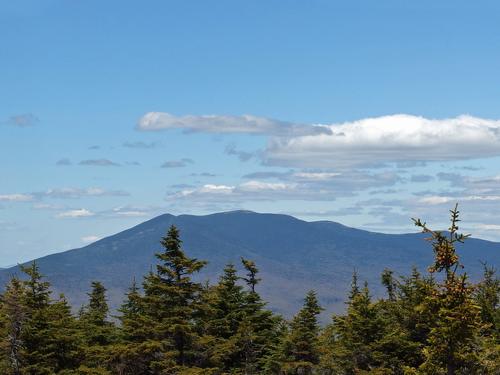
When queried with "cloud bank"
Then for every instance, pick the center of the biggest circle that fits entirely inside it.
(396, 138)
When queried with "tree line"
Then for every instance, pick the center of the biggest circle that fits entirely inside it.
(435, 322)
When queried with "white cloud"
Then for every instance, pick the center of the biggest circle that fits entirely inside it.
(129, 211)
(154, 121)
(316, 176)
(263, 186)
(82, 212)
(488, 227)
(16, 197)
(395, 138)
(434, 200)
(46, 206)
(90, 239)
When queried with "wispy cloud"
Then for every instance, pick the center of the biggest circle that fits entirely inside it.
(421, 178)
(177, 163)
(64, 162)
(141, 145)
(16, 197)
(248, 124)
(242, 155)
(75, 193)
(22, 120)
(203, 174)
(73, 214)
(99, 163)
(307, 186)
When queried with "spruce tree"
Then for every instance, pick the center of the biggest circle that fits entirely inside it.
(132, 354)
(301, 347)
(170, 301)
(98, 331)
(224, 319)
(487, 296)
(64, 336)
(259, 326)
(12, 321)
(454, 335)
(38, 355)
(358, 331)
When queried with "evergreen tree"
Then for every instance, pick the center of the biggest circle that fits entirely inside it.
(301, 346)
(132, 354)
(12, 320)
(64, 336)
(170, 301)
(487, 296)
(259, 326)
(454, 335)
(98, 331)
(358, 332)
(226, 314)
(38, 355)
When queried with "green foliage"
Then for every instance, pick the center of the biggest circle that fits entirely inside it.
(299, 351)
(453, 338)
(97, 331)
(12, 319)
(170, 302)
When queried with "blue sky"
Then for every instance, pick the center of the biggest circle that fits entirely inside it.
(362, 112)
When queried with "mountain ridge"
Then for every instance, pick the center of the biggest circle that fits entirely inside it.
(294, 255)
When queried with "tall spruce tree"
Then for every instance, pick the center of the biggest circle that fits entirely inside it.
(301, 346)
(135, 350)
(170, 301)
(12, 320)
(38, 355)
(65, 339)
(259, 326)
(99, 333)
(225, 315)
(358, 332)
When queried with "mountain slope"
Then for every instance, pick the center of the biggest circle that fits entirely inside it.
(293, 256)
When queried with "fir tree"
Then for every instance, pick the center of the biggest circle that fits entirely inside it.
(225, 317)
(38, 355)
(358, 332)
(98, 331)
(64, 336)
(301, 347)
(487, 296)
(12, 320)
(453, 338)
(132, 354)
(259, 326)
(170, 301)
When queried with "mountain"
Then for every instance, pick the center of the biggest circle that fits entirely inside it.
(293, 256)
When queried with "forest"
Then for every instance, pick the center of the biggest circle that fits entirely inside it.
(433, 321)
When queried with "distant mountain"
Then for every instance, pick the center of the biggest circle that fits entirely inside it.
(293, 256)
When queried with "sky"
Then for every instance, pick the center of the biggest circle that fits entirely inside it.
(367, 113)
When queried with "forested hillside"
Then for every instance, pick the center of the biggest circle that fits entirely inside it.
(435, 321)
